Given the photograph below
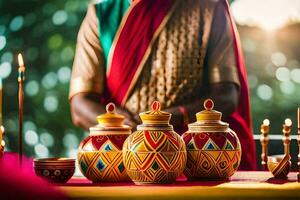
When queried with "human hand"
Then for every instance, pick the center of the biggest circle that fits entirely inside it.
(129, 117)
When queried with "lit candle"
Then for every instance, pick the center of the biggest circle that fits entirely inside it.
(264, 140)
(21, 78)
(266, 125)
(288, 122)
(287, 128)
(21, 69)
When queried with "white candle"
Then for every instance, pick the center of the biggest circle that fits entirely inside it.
(266, 122)
(288, 122)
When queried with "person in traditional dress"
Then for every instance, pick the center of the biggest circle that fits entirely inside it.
(174, 51)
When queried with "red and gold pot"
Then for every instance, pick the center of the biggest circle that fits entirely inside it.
(213, 149)
(155, 153)
(100, 154)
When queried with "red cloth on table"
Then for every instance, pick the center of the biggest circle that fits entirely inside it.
(23, 184)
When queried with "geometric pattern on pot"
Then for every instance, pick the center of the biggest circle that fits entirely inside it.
(102, 166)
(216, 164)
(211, 141)
(100, 158)
(103, 142)
(211, 155)
(154, 156)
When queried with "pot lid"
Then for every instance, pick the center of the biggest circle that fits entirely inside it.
(110, 118)
(208, 113)
(209, 119)
(155, 116)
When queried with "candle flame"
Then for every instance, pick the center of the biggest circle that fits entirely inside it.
(21, 62)
(288, 122)
(266, 122)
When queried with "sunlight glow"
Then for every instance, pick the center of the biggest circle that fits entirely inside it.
(267, 14)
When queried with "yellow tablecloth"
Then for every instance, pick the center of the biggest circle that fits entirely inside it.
(243, 185)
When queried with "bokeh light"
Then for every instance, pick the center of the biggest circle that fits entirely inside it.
(50, 80)
(29, 125)
(55, 41)
(16, 23)
(32, 88)
(295, 75)
(47, 139)
(7, 57)
(41, 151)
(264, 92)
(64, 74)
(5, 70)
(2, 42)
(31, 137)
(283, 74)
(287, 87)
(50, 103)
(2, 29)
(70, 141)
(59, 17)
(278, 58)
(67, 54)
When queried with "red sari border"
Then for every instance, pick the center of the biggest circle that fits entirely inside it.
(132, 45)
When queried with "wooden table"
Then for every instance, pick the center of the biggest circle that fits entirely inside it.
(243, 185)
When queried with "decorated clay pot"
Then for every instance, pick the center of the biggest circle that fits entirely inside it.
(54, 170)
(213, 149)
(100, 154)
(279, 165)
(154, 154)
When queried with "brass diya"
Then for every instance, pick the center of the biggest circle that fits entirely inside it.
(55, 170)
(280, 165)
(155, 153)
(213, 149)
(100, 154)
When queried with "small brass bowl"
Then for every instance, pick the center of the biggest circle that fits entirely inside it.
(54, 170)
(279, 166)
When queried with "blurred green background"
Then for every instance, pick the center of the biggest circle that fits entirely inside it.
(45, 33)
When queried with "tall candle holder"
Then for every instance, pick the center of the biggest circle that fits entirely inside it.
(280, 165)
(264, 140)
(21, 78)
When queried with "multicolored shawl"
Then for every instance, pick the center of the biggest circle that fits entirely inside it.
(127, 53)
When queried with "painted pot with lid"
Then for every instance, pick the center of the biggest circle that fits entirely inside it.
(100, 154)
(213, 149)
(155, 153)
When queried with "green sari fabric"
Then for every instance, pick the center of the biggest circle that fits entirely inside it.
(110, 14)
